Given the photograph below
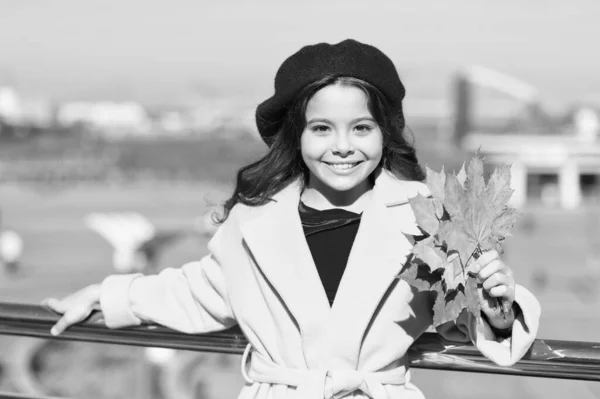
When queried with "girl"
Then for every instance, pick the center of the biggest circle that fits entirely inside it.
(310, 245)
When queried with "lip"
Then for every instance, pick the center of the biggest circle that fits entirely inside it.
(342, 163)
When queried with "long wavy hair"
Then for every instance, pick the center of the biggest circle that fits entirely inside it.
(258, 182)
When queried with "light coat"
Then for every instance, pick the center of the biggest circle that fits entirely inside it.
(260, 274)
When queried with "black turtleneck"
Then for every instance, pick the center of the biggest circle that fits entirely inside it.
(330, 234)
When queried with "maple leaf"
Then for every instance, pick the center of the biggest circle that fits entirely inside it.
(454, 191)
(452, 236)
(424, 213)
(419, 275)
(448, 308)
(504, 222)
(474, 183)
(472, 297)
(498, 189)
(426, 253)
(440, 212)
(473, 207)
(420, 278)
(464, 217)
(436, 182)
(462, 175)
(453, 276)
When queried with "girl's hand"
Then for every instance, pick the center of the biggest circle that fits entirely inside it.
(75, 308)
(496, 280)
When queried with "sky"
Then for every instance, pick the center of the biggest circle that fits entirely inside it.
(160, 52)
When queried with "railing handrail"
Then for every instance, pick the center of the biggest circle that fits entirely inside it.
(546, 358)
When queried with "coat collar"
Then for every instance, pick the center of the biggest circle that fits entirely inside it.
(391, 190)
(274, 235)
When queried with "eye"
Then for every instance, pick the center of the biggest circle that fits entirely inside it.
(320, 128)
(363, 128)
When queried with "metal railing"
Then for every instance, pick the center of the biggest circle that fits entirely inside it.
(546, 358)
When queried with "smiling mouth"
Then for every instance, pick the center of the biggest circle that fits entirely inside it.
(344, 165)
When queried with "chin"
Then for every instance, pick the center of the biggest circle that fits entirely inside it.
(344, 186)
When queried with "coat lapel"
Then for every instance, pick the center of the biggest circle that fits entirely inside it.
(276, 240)
(379, 252)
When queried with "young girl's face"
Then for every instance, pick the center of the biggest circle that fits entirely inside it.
(341, 144)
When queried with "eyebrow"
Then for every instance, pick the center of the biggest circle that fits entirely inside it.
(325, 120)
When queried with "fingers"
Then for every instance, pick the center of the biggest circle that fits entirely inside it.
(74, 308)
(499, 291)
(72, 316)
(495, 276)
(488, 256)
(492, 267)
(494, 280)
(487, 301)
(500, 285)
(55, 305)
(61, 325)
(60, 305)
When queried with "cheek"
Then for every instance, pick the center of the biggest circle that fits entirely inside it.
(308, 162)
(375, 160)
(312, 149)
(310, 159)
(374, 148)
(305, 150)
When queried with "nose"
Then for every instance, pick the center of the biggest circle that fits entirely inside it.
(343, 147)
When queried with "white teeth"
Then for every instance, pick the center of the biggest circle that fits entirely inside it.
(342, 166)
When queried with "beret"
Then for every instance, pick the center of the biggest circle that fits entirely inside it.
(314, 62)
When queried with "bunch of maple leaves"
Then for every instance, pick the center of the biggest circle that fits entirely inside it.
(462, 218)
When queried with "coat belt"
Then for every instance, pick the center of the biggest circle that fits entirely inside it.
(322, 384)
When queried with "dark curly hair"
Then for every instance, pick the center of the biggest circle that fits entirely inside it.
(259, 181)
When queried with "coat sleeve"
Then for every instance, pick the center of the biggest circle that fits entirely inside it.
(191, 299)
(504, 351)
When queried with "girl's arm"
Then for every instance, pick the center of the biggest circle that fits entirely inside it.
(505, 348)
(191, 299)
